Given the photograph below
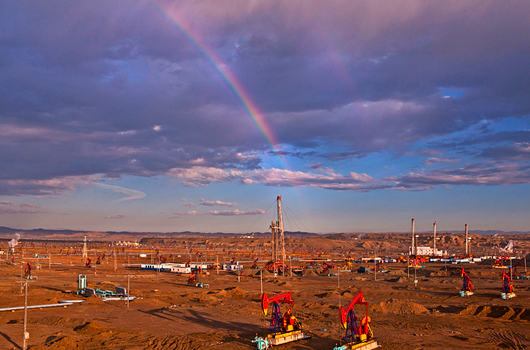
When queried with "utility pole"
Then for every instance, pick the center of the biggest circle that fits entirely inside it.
(282, 238)
(408, 265)
(434, 244)
(413, 243)
(274, 254)
(21, 281)
(26, 334)
(467, 242)
(128, 289)
(375, 269)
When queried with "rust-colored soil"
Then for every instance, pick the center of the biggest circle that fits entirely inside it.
(167, 314)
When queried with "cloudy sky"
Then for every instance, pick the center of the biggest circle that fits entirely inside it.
(195, 115)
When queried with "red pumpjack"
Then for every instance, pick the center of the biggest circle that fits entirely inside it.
(358, 336)
(467, 287)
(507, 286)
(286, 328)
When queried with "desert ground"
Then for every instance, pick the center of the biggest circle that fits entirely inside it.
(168, 314)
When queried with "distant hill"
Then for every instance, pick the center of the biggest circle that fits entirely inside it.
(40, 233)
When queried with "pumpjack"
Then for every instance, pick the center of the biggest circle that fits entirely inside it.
(358, 336)
(282, 329)
(27, 272)
(193, 280)
(507, 286)
(467, 287)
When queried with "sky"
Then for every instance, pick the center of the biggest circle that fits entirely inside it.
(162, 116)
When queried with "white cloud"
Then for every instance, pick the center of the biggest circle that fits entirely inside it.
(222, 212)
(214, 203)
(191, 212)
(434, 160)
(114, 217)
(327, 179)
(131, 194)
(237, 212)
(200, 176)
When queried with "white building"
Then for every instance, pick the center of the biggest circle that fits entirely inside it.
(427, 251)
(181, 269)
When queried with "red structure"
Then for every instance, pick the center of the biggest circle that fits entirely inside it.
(357, 332)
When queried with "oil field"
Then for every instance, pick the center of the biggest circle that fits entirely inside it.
(255, 292)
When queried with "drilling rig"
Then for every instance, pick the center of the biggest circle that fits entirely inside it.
(277, 264)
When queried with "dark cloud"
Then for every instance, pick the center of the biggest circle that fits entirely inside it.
(119, 88)
(515, 152)
(490, 173)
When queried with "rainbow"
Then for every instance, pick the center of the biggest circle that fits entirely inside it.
(228, 77)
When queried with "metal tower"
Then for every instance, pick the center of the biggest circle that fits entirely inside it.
(278, 238)
(434, 244)
(85, 254)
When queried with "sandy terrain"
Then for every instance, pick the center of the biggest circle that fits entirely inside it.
(170, 315)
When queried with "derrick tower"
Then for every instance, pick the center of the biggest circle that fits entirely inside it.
(278, 240)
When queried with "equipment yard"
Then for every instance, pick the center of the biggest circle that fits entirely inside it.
(169, 314)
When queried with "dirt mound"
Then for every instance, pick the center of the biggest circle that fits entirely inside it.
(105, 285)
(348, 295)
(285, 284)
(61, 342)
(397, 273)
(310, 272)
(59, 321)
(441, 273)
(205, 296)
(398, 280)
(247, 272)
(367, 245)
(493, 273)
(90, 328)
(53, 301)
(399, 307)
(233, 293)
(332, 294)
(265, 273)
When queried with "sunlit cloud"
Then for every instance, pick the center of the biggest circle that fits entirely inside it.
(216, 203)
(236, 212)
(9, 207)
